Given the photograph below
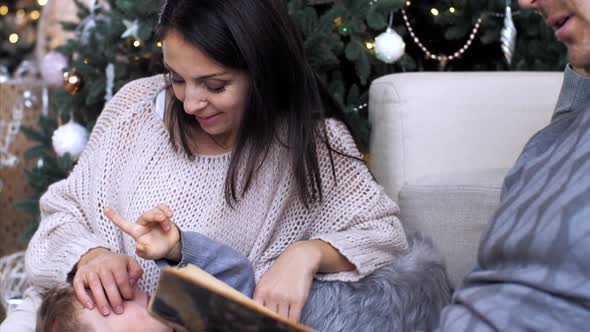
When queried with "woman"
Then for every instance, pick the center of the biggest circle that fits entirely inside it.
(244, 143)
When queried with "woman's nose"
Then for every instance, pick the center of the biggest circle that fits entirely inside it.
(194, 102)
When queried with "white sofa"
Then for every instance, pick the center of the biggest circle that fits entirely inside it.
(442, 143)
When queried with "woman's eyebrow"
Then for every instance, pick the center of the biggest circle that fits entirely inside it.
(198, 78)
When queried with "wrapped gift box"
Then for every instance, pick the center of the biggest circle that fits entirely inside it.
(13, 222)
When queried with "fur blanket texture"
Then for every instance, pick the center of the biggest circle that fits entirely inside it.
(406, 295)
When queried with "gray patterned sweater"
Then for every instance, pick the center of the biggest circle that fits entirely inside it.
(534, 270)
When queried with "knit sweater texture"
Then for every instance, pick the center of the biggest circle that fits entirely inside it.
(130, 165)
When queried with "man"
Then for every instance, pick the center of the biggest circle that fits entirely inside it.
(534, 271)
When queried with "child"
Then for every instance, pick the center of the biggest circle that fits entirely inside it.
(157, 238)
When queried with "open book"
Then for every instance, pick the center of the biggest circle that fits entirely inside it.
(192, 298)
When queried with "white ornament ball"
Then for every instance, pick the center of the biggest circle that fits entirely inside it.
(70, 138)
(389, 46)
(52, 68)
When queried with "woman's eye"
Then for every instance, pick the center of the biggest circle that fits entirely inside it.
(174, 79)
(215, 88)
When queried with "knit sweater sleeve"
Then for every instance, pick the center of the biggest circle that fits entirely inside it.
(68, 228)
(356, 217)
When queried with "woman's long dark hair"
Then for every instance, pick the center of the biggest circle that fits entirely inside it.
(259, 38)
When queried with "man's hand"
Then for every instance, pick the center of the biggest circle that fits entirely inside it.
(110, 277)
(155, 235)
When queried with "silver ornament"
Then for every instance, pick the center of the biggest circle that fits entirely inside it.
(110, 74)
(508, 35)
(132, 29)
(8, 132)
(27, 70)
(4, 74)
(88, 25)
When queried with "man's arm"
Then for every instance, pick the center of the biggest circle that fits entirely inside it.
(219, 260)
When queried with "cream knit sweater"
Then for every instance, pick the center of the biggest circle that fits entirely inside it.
(130, 165)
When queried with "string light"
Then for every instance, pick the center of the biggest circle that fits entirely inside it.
(42, 2)
(72, 79)
(159, 44)
(13, 38)
(137, 43)
(408, 3)
(35, 15)
(434, 11)
(370, 44)
(20, 13)
(360, 107)
(452, 10)
(3, 10)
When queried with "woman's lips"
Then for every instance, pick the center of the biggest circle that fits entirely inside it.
(208, 120)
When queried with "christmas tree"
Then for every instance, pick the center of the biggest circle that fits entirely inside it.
(18, 21)
(343, 39)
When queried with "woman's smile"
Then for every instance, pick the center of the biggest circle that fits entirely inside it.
(207, 121)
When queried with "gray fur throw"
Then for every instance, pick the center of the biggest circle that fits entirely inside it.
(406, 295)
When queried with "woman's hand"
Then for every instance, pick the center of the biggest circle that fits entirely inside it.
(284, 288)
(155, 235)
(110, 277)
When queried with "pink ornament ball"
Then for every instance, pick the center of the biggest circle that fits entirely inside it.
(52, 67)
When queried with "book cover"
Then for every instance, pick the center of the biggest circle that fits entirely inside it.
(191, 298)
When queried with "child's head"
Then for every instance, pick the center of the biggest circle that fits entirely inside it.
(62, 312)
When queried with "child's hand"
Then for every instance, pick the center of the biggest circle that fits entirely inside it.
(156, 236)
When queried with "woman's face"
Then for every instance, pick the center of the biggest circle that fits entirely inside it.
(213, 94)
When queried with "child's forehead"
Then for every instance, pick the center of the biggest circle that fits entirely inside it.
(112, 322)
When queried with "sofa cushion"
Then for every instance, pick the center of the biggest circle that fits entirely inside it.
(428, 123)
(453, 210)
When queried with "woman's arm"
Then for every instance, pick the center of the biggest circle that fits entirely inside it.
(296, 268)
(72, 228)
(347, 236)
(323, 257)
